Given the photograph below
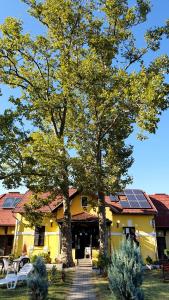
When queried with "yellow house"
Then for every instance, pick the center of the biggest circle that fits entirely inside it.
(130, 213)
(8, 202)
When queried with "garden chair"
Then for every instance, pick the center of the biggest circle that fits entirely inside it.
(5, 265)
(11, 280)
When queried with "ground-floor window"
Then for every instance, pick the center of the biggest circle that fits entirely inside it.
(39, 235)
(131, 233)
(161, 243)
(6, 244)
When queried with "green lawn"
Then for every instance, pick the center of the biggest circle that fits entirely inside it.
(57, 292)
(153, 286)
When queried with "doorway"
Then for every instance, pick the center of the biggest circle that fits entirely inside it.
(85, 236)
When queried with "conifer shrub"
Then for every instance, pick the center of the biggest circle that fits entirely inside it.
(53, 275)
(38, 281)
(126, 272)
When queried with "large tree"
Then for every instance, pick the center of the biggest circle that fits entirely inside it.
(34, 135)
(78, 90)
(119, 90)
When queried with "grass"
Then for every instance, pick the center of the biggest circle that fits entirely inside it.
(58, 291)
(153, 286)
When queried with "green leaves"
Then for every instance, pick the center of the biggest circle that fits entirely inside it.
(80, 91)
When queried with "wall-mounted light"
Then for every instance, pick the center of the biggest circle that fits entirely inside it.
(51, 222)
(118, 223)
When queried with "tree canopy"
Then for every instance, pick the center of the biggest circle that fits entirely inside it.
(84, 84)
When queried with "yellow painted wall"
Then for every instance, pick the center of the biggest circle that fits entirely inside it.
(142, 223)
(10, 231)
(144, 231)
(25, 235)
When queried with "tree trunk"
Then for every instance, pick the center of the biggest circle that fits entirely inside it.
(66, 249)
(102, 224)
(101, 206)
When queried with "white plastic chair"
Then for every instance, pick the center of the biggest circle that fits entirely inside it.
(11, 279)
(6, 263)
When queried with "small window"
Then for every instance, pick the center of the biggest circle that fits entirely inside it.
(39, 235)
(84, 201)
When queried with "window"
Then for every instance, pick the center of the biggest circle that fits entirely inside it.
(39, 235)
(84, 201)
(130, 233)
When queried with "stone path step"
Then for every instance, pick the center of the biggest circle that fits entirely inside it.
(83, 284)
(85, 262)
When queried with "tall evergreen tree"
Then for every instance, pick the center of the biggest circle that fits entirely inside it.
(126, 272)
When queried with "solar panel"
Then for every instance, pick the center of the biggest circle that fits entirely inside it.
(131, 198)
(11, 202)
(134, 204)
(113, 198)
(135, 199)
(125, 204)
(141, 198)
(128, 192)
(137, 192)
(145, 204)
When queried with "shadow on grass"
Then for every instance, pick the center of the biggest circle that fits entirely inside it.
(57, 291)
(153, 286)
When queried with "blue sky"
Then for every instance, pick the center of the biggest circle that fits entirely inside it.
(150, 170)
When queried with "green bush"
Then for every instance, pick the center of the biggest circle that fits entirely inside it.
(126, 272)
(38, 281)
(103, 263)
(149, 260)
(46, 257)
(53, 275)
(166, 252)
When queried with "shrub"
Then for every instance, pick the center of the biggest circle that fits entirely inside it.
(33, 258)
(126, 272)
(58, 261)
(38, 281)
(149, 260)
(166, 252)
(46, 257)
(103, 263)
(53, 275)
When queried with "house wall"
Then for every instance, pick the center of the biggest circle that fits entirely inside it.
(167, 239)
(142, 223)
(144, 229)
(25, 235)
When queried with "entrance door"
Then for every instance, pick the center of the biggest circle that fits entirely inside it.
(161, 244)
(84, 237)
(82, 241)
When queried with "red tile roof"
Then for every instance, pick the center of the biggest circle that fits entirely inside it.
(161, 202)
(6, 214)
(47, 208)
(83, 216)
(117, 206)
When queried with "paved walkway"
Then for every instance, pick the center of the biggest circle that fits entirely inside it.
(83, 284)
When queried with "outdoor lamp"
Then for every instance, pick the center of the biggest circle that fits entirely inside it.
(118, 223)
